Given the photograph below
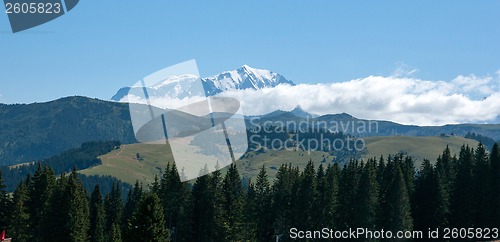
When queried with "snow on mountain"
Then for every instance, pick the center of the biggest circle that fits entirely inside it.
(243, 78)
(180, 86)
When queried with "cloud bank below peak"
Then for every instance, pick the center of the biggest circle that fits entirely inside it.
(465, 99)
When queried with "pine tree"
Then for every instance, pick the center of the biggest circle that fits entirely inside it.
(462, 201)
(232, 204)
(19, 228)
(396, 209)
(215, 186)
(78, 212)
(318, 199)
(366, 204)
(482, 188)
(282, 197)
(495, 186)
(174, 196)
(56, 223)
(430, 202)
(264, 216)
(440, 193)
(133, 198)
(203, 210)
(330, 198)
(249, 219)
(40, 190)
(5, 206)
(408, 169)
(66, 215)
(446, 167)
(318, 211)
(381, 170)
(304, 205)
(437, 187)
(348, 189)
(147, 223)
(115, 234)
(384, 179)
(155, 186)
(113, 207)
(97, 216)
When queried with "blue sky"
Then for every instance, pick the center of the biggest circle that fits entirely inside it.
(101, 46)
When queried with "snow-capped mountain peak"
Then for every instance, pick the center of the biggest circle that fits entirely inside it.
(245, 77)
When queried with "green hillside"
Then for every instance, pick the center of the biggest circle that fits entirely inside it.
(36, 131)
(124, 165)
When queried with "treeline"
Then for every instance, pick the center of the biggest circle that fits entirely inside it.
(387, 194)
(105, 183)
(461, 192)
(80, 158)
(46, 207)
(485, 140)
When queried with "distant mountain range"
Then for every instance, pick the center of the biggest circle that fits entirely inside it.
(346, 123)
(242, 78)
(35, 131)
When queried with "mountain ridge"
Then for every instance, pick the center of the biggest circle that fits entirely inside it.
(242, 78)
(36, 131)
(297, 111)
(39, 130)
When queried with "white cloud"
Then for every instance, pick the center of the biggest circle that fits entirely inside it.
(473, 84)
(402, 99)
